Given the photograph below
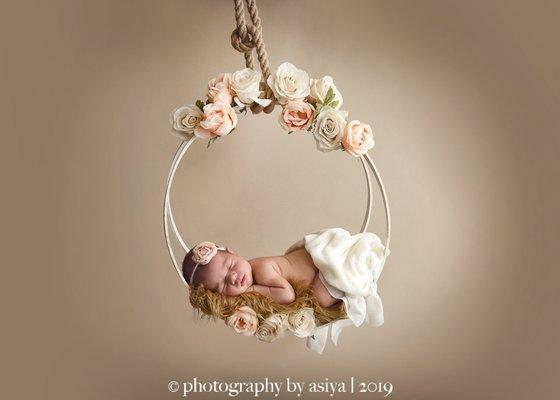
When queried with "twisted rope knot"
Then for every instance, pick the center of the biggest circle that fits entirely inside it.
(243, 41)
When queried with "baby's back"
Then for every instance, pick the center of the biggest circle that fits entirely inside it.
(296, 266)
(300, 266)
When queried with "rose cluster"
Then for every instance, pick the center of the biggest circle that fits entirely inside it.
(314, 104)
(246, 321)
(307, 104)
(217, 117)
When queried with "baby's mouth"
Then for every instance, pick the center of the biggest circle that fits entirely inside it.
(242, 281)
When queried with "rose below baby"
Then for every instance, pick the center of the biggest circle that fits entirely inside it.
(302, 322)
(272, 328)
(244, 320)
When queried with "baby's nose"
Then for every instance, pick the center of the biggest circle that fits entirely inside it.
(233, 278)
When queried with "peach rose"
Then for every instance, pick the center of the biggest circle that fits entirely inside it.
(357, 138)
(219, 89)
(219, 120)
(223, 97)
(203, 252)
(244, 320)
(296, 115)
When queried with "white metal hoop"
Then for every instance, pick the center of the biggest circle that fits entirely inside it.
(169, 220)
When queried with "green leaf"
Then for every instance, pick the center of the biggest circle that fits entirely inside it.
(334, 104)
(200, 105)
(312, 125)
(290, 132)
(212, 140)
(329, 96)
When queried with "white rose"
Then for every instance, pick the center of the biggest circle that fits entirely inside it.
(329, 128)
(185, 119)
(272, 328)
(302, 322)
(319, 89)
(289, 83)
(245, 84)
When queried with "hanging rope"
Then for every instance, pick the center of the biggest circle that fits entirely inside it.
(241, 40)
(245, 38)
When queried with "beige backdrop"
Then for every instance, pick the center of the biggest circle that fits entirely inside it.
(464, 100)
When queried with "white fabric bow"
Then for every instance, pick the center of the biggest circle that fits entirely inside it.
(359, 310)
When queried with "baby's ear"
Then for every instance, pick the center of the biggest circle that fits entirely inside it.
(230, 250)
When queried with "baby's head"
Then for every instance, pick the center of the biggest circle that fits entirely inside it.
(218, 269)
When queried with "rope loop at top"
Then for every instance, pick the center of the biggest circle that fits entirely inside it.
(245, 38)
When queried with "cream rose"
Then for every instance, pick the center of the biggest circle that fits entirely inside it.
(357, 138)
(329, 128)
(302, 322)
(289, 83)
(245, 84)
(219, 120)
(203, 252)
(296, 115)
(185, 119)
(272, 328)
(319, 89)
(219, 89)
(244, 320)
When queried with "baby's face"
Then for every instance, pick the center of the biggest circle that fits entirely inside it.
(227, 273)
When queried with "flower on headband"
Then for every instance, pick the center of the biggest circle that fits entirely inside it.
(203, 252)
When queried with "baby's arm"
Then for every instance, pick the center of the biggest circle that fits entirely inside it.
(271, 283)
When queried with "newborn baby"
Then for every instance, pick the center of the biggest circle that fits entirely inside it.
(221, 270)
(338, 266)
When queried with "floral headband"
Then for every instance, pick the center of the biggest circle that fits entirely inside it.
(203, 253)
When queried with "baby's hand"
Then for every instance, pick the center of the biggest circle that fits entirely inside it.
(269, 281)
(281, 295)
